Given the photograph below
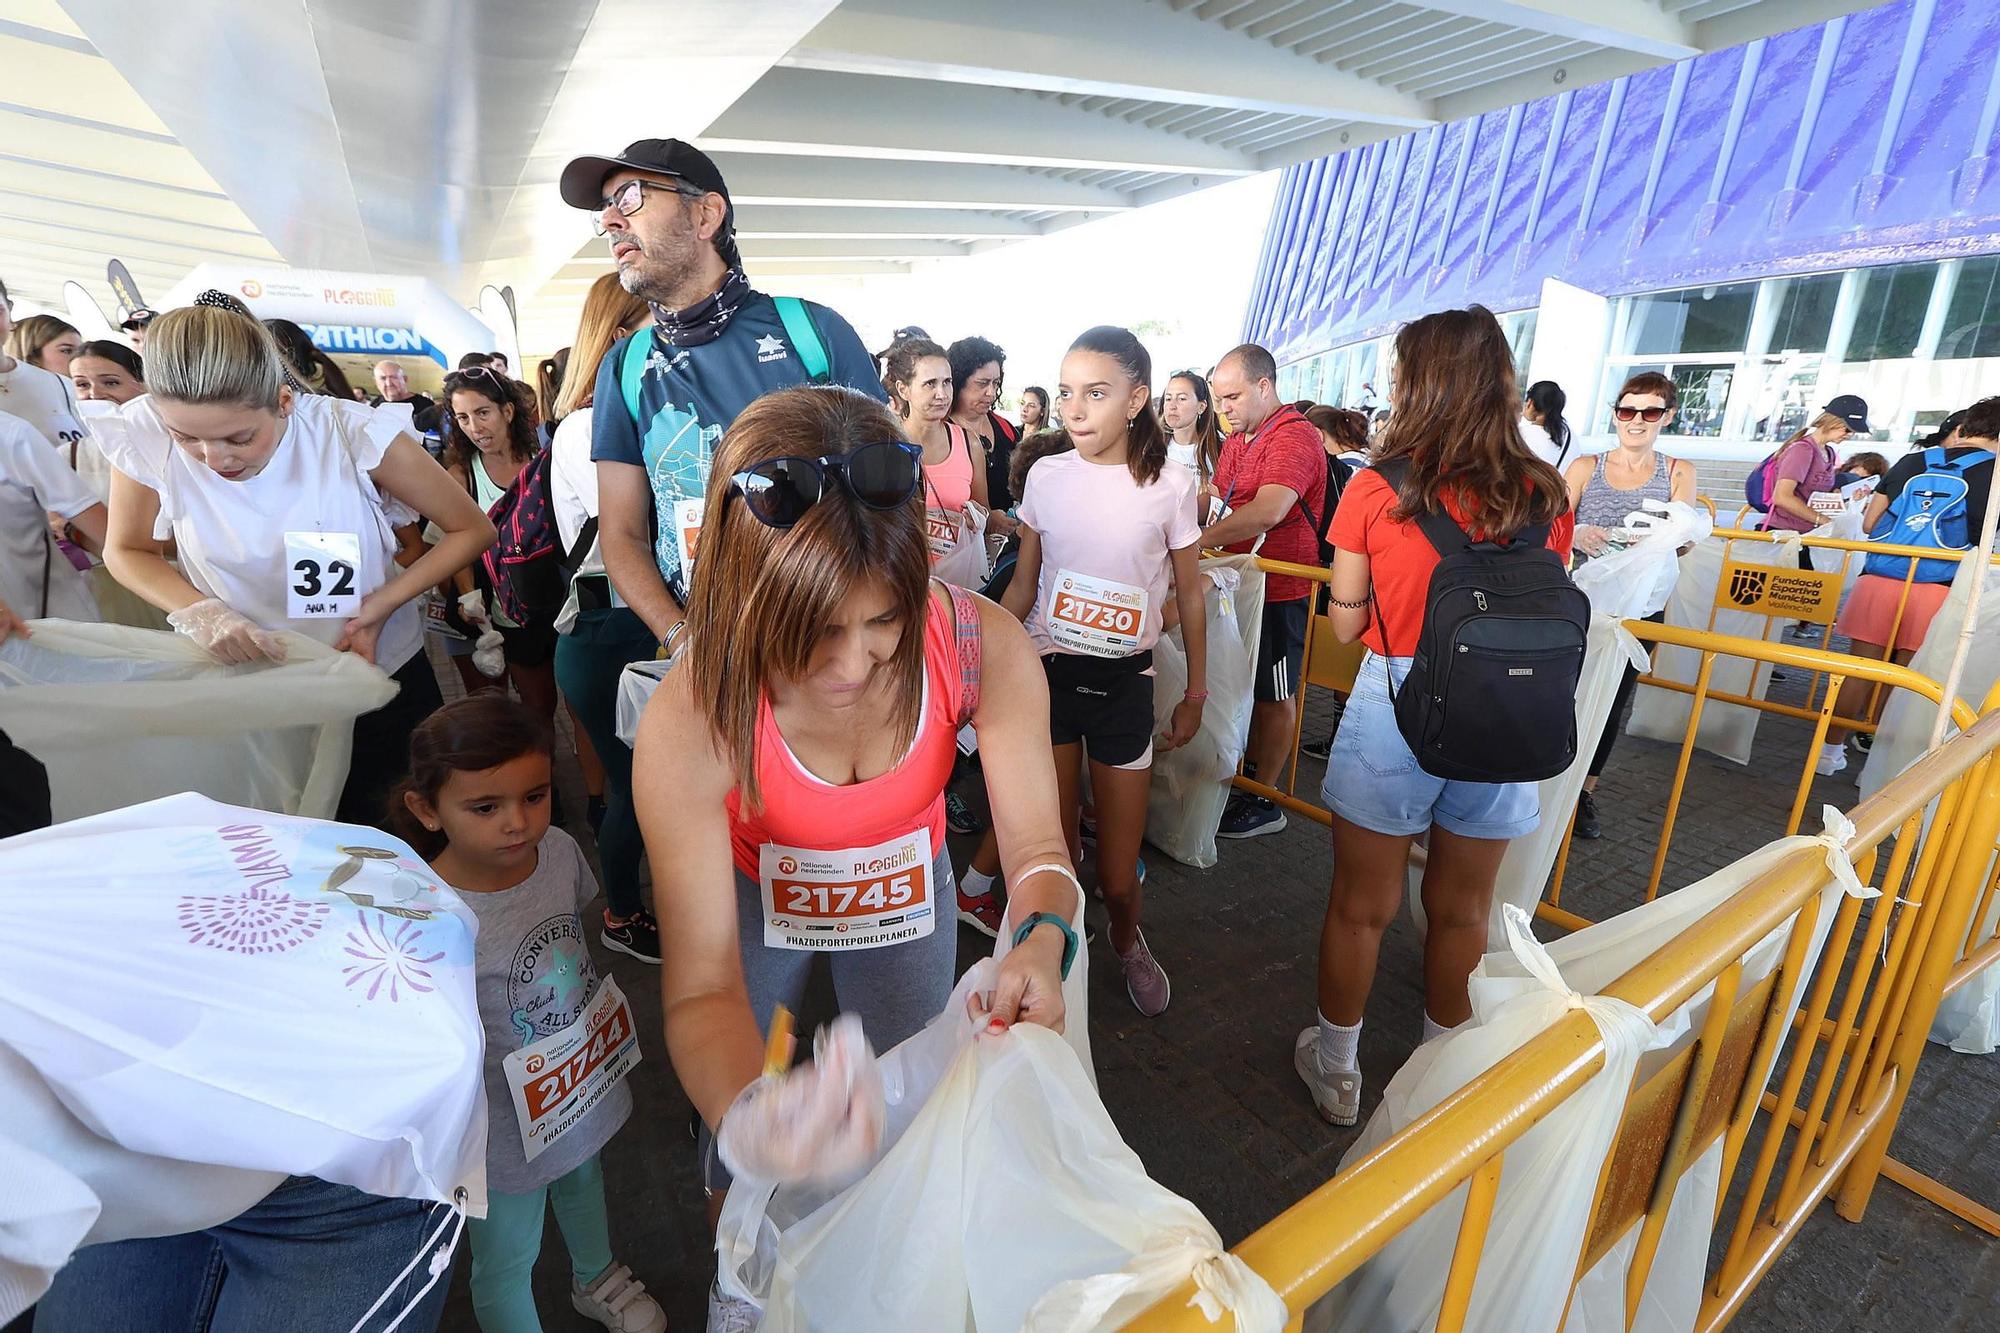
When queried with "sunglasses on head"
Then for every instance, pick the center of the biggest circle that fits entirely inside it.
(779, 491)
(1645, 414)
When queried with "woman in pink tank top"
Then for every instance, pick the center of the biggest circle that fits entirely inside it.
(790, 773)
(917, 375)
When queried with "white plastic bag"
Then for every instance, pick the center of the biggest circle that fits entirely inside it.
(269, 995)
(1547, 1185)
(45, 1212)
(967, 564)
(1728, 730)
(1525, 869)
(1005, 1199)
(636, 686)
(1633, 583)
(1191, 785)
(121, 716)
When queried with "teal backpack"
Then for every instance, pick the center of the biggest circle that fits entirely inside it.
(798, 326)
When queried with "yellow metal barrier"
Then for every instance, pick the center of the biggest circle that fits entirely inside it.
(1843, 1082)
(1836, 666)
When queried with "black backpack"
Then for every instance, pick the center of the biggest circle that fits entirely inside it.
(1491, 694)
(1338, 473)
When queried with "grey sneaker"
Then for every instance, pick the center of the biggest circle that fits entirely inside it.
(619, 1301)
(1145, 981)
(726, 1314)
(1337, 1095)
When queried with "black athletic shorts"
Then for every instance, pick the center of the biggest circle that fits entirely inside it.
(1281, 647)
(1105, 702)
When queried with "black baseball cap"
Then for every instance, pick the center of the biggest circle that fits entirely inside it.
(139, 318)
(1851, 409)
(583, 179)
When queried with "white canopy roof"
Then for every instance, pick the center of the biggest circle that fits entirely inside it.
(857, 136)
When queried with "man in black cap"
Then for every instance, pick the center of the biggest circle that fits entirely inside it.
(665, 395)
(135, 324)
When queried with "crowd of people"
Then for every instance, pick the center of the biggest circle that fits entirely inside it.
(732, 482)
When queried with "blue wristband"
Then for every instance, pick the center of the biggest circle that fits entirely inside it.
(1050, 919)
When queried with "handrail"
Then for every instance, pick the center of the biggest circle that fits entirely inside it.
(1862, 545)
(1313, 1245)
(1794, 655)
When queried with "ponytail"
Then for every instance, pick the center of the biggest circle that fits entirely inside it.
(1550, 400)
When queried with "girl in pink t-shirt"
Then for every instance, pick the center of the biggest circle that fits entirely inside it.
(1107, 530)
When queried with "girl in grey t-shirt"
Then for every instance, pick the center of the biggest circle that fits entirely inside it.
(559, 1037)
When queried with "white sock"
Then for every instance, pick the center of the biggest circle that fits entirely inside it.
(1832, 748)
(975, 885)
(1432, 1028)
(1337, 1047)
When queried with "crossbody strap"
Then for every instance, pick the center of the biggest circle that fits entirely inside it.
(805, 338)
(965, 634)
(632, 370)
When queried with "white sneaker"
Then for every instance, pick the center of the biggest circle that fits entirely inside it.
(727, 1314)
(619, 1301)
(1832, 759)
(1337, 1095)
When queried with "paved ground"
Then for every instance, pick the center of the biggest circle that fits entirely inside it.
(1205, 1093)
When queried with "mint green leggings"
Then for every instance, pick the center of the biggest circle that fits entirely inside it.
(506, 1244)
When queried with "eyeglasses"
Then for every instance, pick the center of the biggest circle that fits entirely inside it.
(1646, 414)
(498, 381)
(630, 197)
(778, 492)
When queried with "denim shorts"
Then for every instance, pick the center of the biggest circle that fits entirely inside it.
(1372, 779)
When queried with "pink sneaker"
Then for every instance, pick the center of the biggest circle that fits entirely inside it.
(1145, 981)
(983, 913)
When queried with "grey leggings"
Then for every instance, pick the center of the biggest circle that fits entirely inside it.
(895, 989)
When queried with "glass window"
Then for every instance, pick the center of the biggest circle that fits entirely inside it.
(1700, 319)
(1805, 314)
(1889, 317)
(1520, 330)
(1972, 320)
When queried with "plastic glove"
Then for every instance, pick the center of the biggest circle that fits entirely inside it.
(472, 608)
(489, 654)
(816, 1124)
(226, 634)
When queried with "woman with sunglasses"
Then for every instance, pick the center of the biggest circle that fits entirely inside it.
(1603, 489)
(489, 437)
(790, 777)
(281, 506)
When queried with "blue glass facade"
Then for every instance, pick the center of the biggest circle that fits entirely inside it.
(1817, 212)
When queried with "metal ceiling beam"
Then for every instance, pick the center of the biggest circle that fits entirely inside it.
(817, 113)
(208, 74)
(1107, 48)
(758, 178)
(1639, 27)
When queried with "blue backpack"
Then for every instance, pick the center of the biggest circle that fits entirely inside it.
(1930, 511)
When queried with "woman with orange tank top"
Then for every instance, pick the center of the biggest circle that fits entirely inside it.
(790, 777)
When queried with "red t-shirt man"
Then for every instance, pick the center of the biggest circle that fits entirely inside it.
(1401, 559)
(1285, 451)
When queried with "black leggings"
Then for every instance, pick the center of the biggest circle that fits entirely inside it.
(1628, 685)
(382, 744)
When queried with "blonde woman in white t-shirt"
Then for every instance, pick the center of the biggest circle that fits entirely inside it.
(1108, 533)
(282, 507)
